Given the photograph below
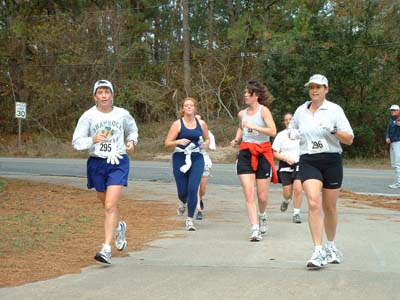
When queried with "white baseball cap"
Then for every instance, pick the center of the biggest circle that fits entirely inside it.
(318, 79)
(394, 107)
(102, 83)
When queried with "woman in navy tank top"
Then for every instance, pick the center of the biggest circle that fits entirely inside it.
(187, 160)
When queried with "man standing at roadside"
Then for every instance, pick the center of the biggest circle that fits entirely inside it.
(393, 139)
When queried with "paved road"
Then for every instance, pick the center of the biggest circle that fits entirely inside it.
(356, 180)
(218, 262)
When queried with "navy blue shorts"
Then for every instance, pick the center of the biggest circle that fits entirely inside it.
(100, 174)
(243, 165)
(326, 167)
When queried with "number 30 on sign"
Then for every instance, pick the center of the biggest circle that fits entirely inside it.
(20, 110)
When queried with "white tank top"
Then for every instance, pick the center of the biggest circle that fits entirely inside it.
(253, 136)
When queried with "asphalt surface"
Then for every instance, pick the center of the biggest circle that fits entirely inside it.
(366, 181)
(218, 262)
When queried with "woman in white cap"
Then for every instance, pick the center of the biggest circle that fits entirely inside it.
(393, 139)
(102, 130)
(321, 126)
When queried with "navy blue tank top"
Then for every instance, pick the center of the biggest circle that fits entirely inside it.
(190, 134)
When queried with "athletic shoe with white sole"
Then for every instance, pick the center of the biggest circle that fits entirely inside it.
(394, 186)
(181, 209)
(190, 225)
(296, 219)
(262, 221)
(103, 256)
(284, 205)
(120, 240)
(199, 215)
(333, 255)
(317, 260)
(255, 236)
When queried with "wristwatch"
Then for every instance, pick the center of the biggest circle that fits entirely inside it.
(334, 130)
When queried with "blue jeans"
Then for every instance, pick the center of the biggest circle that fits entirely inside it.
(395, 159)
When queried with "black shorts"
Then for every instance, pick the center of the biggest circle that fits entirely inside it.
(287, 177)
(326, 167)
(243, 165)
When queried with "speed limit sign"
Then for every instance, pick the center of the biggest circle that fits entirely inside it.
(20, 110)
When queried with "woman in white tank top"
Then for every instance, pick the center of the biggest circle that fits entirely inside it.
(255, 163)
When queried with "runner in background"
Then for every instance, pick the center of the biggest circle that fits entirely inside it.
(104, 129)
(206, 173)
(287, 152)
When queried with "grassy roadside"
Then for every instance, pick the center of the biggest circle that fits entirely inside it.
(368, 163)
(2, 184)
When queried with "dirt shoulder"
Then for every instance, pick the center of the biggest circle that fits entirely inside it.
(371, 200)
(49, 230)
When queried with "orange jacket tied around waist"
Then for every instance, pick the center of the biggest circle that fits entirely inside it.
(264, 149)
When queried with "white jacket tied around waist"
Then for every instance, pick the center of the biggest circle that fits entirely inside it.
(188, 160)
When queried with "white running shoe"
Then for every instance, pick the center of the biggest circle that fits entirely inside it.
(317, 260)
(190, 225)
(181, 209)
(120, 240)
(255, 236)
(333, 255)
(296, 219)
(394, 186)
(103, 256)
(262, 221)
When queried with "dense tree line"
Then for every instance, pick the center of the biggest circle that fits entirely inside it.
(156, 52)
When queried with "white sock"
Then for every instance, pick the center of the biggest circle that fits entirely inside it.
(255, 227)
(118, 227)
(296, 211)
(260, 214)
(330, 244)
(318, 248)
(288, 200)
(107, 247)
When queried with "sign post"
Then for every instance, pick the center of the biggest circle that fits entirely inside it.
(20, 113)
